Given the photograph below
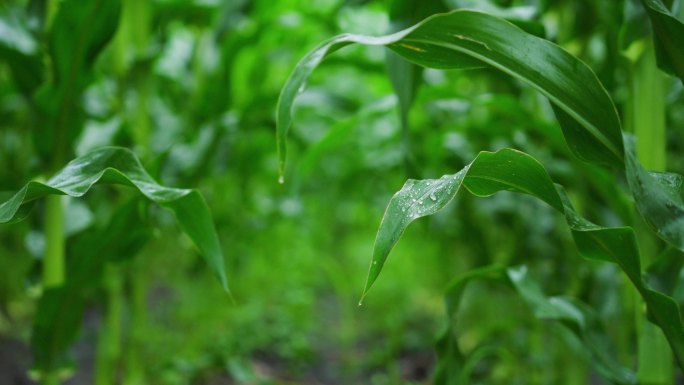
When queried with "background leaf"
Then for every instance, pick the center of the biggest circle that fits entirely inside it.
(60, 310)
(667, 30)
(113, 165)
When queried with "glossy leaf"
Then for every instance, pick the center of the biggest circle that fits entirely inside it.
(461, 39)
(112, 165)
(659, 197)
(515, 171)
(667, 30)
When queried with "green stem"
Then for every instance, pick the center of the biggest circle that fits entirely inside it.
(54, 258)
(648, 104)
(134, 371)
(53, 264)
(51, 378)
(109, 341)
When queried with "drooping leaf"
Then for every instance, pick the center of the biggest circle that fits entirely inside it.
(515, 171)
(659, 197)
(112, 165)
(461, 39)
(668, 32)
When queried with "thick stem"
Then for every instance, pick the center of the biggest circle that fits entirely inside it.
(51, 378)
(109, 341)
(134, 370)
(648, 105)
(53, 264)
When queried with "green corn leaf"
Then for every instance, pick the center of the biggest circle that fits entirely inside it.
(659, 197)
(668, 32)
(451, 362)
(512, 170)
(20, 51)
(574, 316)
(462, 39)
(113, 165)
(79, 33)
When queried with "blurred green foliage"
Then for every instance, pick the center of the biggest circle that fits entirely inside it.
(191, 87)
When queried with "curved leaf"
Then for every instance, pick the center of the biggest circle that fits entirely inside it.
(513, 170)
(668, 32)
(659, 197)
(113, 165)
(461, 38)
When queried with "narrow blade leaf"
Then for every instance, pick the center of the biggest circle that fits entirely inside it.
(515, 171)
(668, 32)
(463, 38)
(113, 165)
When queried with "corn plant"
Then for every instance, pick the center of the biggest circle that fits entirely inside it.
(592, 129)
(76, 36)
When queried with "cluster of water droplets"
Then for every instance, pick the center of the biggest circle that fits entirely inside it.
(424, 197)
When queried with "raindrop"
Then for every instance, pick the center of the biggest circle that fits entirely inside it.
(281, 179)
(433, 197)
(420, 202)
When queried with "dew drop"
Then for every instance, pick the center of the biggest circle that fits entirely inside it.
(281, 179)
(433, 197)
(420, 202)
